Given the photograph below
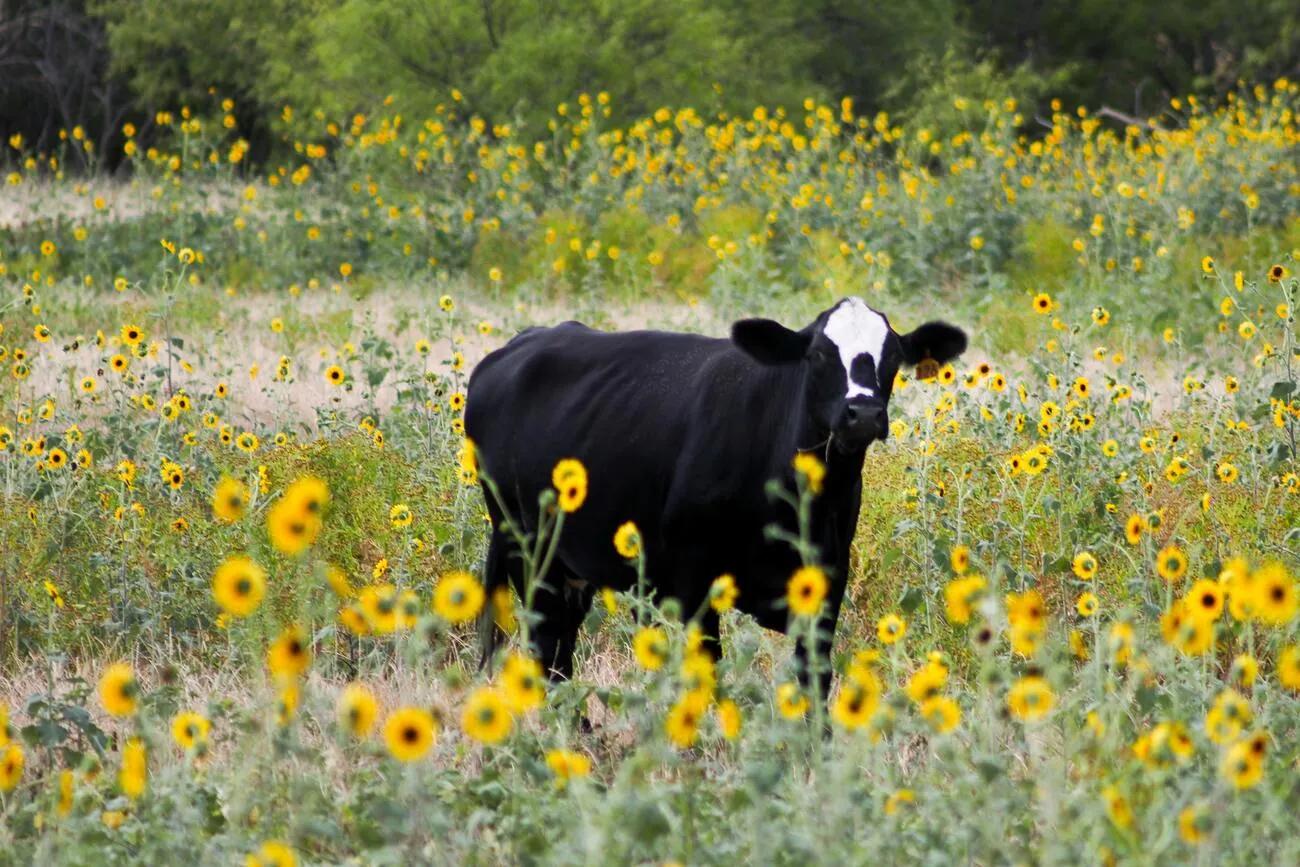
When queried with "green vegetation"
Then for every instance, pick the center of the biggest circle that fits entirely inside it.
(240, 528)
(98, 63)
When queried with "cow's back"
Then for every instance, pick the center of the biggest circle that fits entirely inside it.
(622, 403)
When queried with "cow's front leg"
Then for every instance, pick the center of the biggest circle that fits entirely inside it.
(560, 611)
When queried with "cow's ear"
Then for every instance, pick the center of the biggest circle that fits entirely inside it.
(935, 340)
(769, 342)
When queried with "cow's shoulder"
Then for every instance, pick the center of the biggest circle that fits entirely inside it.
(741, 431)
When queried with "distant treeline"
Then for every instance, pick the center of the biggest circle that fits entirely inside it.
(101, 63)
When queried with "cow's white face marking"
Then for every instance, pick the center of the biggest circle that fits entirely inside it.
(856, 329)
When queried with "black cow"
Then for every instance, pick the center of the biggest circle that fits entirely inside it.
(680, 434)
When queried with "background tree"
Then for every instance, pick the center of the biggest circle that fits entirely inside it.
(66, 62)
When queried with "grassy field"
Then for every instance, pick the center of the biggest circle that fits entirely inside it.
(239, 530)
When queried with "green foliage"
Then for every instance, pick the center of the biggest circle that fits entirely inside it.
(168, 50)
(313, 329)
(1134, 55)
(96, 62)
(950, 94)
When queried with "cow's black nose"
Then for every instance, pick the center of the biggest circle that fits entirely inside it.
(865, 419)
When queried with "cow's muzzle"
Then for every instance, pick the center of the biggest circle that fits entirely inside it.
(862, 423)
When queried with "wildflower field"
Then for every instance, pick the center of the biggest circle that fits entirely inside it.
(240, 527)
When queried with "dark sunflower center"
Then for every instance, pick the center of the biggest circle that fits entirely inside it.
(243, 587)
(295, 647)
(1208, 600)
(1277, 593)
(410, 734)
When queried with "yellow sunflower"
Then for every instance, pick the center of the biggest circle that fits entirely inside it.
(1241, 766)
(230, 500)
(1085, 565)
(289, 655)
(960, 596)
(486, 717)
(1171, 563)
(1134, 527)
(570, 479)
(378, 603)
(238, 586)
(942, 713)
(684, 717)
(627, 541)
(11, 767)
(1205, 599)
(567, 765)
(1288, 667)
(273, 853)
(857, 700)
(1030, 698)
(651, 648)
(1275, 597)
(960, 559)
(791, 701)
(291, 530)
(190, 729)
(409, 732)
(806, 590)
(723, 593)
(1194, 824)
(357, 709)
(521, 678)
(891, 628)
(134, 774)
(729, 718)
(458, 598)
(810, 468)
(118, 690)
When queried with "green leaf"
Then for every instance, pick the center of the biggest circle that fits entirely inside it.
(46, 733)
